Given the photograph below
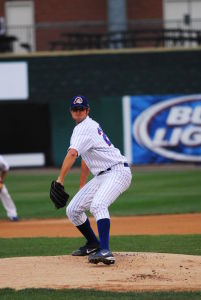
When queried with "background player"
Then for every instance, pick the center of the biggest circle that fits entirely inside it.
(112, 176)
(7, 202)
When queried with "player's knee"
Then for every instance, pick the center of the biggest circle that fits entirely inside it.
(69, 212)
(100, 212)
(72, 213)
(96, 207)
(93, 209)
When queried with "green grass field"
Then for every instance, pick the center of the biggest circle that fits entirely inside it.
(44, 294)
(183, 244)
(156, 192)
(151, 192)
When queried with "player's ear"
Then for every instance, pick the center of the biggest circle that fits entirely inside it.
(88, 110)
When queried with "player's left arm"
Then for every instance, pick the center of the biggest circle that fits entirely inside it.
(67, 164)
(84, 173)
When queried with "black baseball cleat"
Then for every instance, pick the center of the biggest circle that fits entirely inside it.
(86, 250)
(14, 219)
(105, 256)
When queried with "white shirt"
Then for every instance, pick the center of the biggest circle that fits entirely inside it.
(3, 164)
(94, 146)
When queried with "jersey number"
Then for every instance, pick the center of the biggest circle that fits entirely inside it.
(106, 139)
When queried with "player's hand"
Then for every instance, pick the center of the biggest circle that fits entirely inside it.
(58, 195)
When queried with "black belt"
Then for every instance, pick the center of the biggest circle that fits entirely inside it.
(109, 169)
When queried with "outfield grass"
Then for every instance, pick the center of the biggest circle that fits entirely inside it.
(156, 192)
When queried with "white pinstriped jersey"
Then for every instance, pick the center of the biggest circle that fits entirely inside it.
(94, 146)
(3, 164)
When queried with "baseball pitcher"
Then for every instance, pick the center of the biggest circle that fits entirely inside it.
(112, 176)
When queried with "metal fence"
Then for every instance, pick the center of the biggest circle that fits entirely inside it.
(95, 35)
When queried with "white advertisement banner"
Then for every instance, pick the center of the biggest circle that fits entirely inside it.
(14, 81)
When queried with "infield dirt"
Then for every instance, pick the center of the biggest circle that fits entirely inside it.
(134, 225)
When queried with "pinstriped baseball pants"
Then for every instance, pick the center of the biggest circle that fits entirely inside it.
(98, 194)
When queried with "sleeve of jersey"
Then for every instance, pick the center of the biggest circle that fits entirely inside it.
(81, 143)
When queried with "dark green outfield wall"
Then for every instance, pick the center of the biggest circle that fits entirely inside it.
(104, 79)
(60, 77)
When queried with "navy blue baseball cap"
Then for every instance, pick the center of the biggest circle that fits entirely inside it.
(79, 101)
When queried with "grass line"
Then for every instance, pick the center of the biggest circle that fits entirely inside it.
(48, 294)
(180, 244)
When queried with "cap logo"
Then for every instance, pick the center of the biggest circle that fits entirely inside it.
(78, 100)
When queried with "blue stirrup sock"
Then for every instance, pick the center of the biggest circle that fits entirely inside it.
(104, 231)
(87, 232)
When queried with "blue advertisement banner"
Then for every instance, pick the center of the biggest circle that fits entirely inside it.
(162, 128)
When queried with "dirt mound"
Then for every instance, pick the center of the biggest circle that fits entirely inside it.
(131, 272)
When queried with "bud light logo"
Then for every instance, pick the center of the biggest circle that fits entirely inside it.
(171, 128)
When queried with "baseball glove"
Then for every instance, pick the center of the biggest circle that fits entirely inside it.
(58, 195)
(1, 185)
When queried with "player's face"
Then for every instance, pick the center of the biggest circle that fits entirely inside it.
(79, 113)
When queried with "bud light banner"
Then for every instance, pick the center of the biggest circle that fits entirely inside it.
(162, 128)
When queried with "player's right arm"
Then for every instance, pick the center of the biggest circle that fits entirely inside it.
(67, 164)
(84, 173)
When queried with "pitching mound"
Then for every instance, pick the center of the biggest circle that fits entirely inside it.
(131, 272)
